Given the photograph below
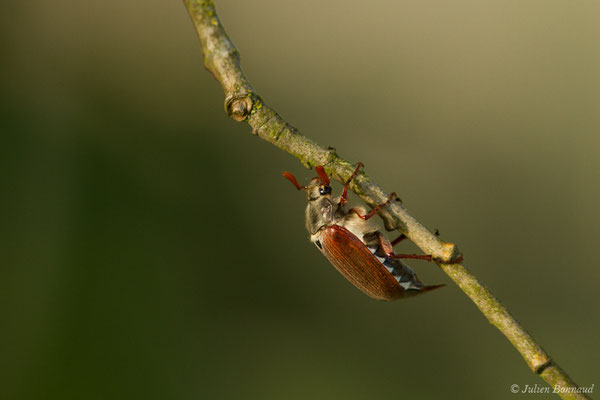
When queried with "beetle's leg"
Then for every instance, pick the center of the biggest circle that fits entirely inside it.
(426, 257)
(387, 248)
(398, 239)
(344, 196)
(376, 209)
(383, 244)
(413, 256)
(389, 251)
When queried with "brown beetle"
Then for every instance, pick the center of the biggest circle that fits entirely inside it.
(356, 248)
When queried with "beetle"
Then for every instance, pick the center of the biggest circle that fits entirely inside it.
(355, 247)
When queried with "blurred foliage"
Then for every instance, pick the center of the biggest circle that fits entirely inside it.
(151, 249)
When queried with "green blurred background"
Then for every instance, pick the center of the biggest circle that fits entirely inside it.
(151, 249)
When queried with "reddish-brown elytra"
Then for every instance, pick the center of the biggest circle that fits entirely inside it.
(357, 249)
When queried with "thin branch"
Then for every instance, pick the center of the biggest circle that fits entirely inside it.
(242, 103)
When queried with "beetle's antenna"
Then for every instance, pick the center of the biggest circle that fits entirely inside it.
(322, 175)
(292, 179)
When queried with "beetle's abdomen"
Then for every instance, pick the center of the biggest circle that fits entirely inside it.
(353, 259)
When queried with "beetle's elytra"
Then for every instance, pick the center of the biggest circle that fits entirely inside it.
(356, 248)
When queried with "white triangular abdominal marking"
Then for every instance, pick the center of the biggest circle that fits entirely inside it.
(405, 277)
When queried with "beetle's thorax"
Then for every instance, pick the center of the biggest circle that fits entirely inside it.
(321, 213)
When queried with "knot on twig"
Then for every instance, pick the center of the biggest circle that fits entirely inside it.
(239, 106)
(538, 370)
(448, 254)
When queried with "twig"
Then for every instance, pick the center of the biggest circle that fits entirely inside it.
(221, 58)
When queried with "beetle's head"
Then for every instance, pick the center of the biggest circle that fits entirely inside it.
(317, 188)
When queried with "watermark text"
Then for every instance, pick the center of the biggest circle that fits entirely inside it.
(514, 388)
